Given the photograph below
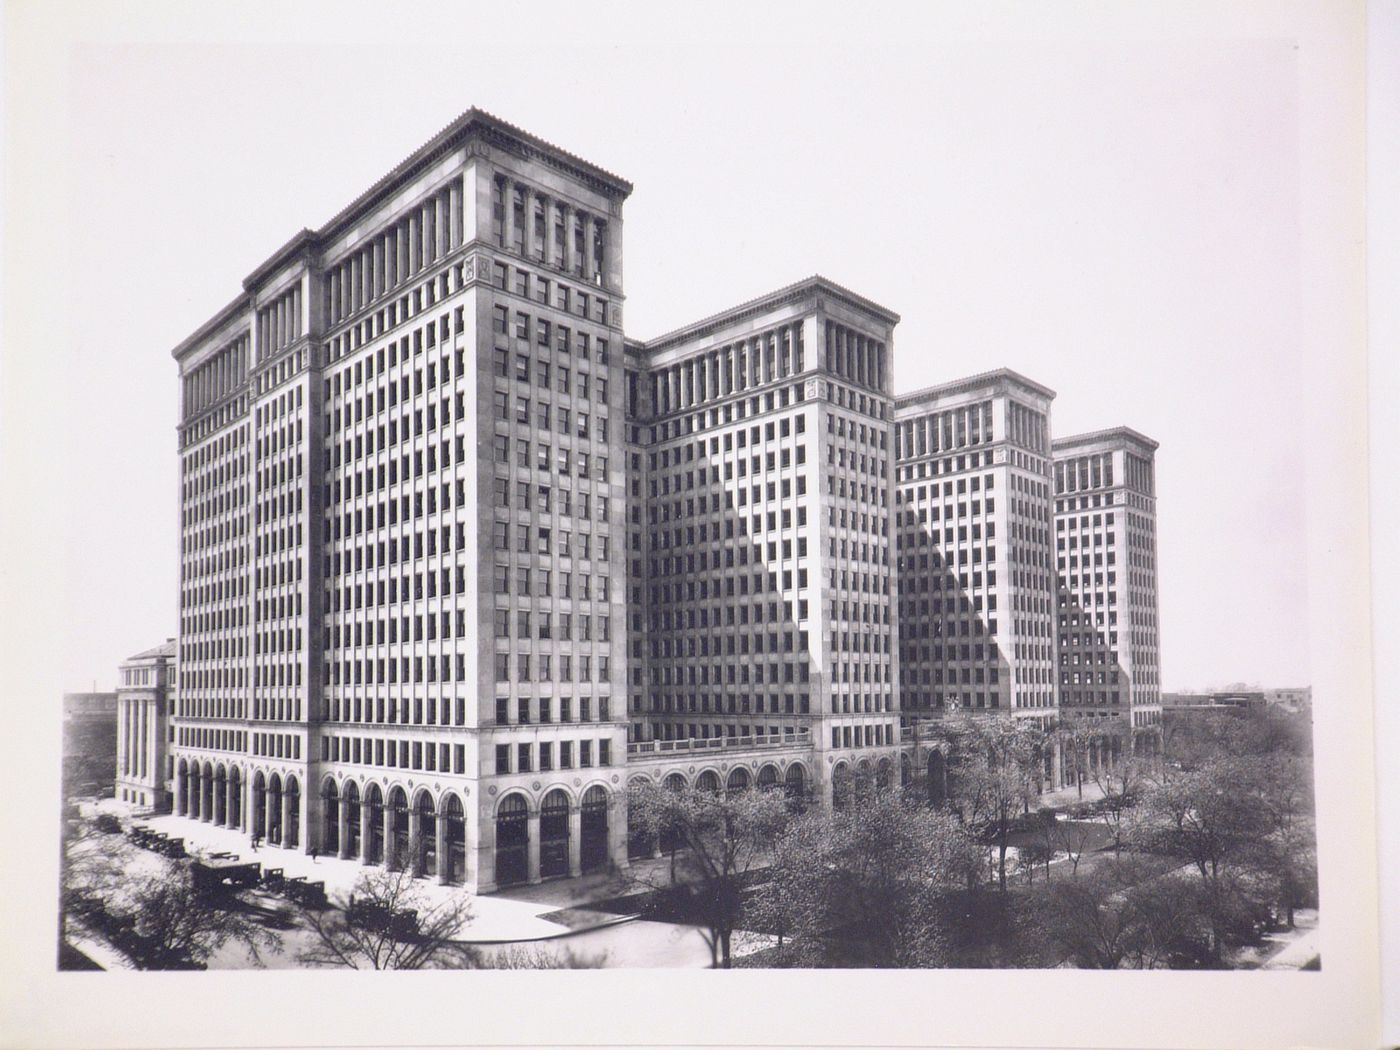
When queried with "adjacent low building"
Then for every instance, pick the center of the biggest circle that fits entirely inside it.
(146, 687)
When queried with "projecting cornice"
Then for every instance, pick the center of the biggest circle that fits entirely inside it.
(815, 288)
(1112, 435)
(1000, 378)
(474, 130)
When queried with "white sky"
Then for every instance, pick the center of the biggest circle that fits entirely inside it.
(1109, 211)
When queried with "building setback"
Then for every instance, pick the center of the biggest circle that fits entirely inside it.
(458, 559)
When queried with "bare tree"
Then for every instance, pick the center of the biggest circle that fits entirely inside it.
(148, 907)
(389, 922)
(724, 834)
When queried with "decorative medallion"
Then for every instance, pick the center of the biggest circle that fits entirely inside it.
(577, 781)
(692, 769)
(491, 790)
(535, 786)
(614, 778)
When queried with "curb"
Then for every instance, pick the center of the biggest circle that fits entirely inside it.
(618, 921)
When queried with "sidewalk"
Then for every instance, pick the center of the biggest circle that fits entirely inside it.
(1303, 943)
(494, 918)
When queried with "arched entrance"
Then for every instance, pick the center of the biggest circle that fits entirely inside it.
(554, 834)
(768, 777)
(937, 779)
(374, 801)
(425, 856)
(640, 842)
(512, 840)
(182, 788)
(884, 775)
(235, 798)
(398, 831)
(291, 836)
(738, 780)
(259, 805)
(795, 784)
(671, 838)
(594, 828)
(708, 782)
(274, 809)
(220, 795)
(197, 792)
(454, 840)
(906, 771)
(842, 786)
(330, 819)
(351, 802)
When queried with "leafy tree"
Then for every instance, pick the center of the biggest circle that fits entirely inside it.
(860, 886)
(1090, 920)
(1121, 780)
(1037, 853)
(724, 835)
(1072, 837)
(1215, 817)
(388, 922)
(999, 761)
(1074, 737)
(1290, 852)
(1124, 913)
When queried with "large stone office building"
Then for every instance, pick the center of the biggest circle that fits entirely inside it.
(458, 558)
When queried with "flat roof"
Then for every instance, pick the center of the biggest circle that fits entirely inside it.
(1110, 434)
(165, 648)
(473, 123)
(763, 303)
(954, 386)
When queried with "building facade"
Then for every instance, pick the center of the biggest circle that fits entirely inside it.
(145, 691)
(458, 559)
(1106, 559)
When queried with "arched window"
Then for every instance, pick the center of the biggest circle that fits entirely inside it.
(842, 786)
(374, 806)
(512, 840)
(768, 777)
(554, 834)
(426, 856)
(594, 828)
(353, 816)
(235, 798)
(292, 833)
(274, 809)
(708, 782)
(330, 824)
(398, 819)
(640, 843)
(738, 780)
(455, 840)
(220, 796)
(795, 784)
